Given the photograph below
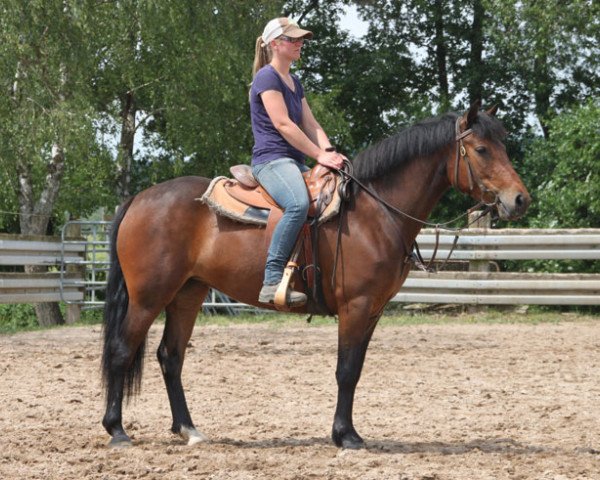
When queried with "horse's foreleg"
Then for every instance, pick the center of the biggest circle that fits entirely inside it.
(354, 337)
(181, 316)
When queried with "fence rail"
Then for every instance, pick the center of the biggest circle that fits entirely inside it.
(500, 288)
(36, 288)
(482, 246)
(516, 244)
(30, 250)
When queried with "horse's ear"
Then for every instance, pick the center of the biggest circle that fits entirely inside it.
(471, 114)
(492, 111)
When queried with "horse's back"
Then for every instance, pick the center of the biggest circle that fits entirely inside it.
(173, 203)
(176, 189)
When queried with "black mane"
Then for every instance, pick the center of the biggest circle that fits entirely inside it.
(421, 140)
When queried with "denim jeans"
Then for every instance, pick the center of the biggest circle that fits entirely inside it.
(282, 179)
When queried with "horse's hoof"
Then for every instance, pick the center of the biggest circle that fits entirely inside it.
(120, 441)
(353, 443)
(349, 440)
(192, 436)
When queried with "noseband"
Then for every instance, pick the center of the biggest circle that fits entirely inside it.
(461, 153)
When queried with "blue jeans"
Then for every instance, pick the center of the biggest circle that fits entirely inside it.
(282, 179)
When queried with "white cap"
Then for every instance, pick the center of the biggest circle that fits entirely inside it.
(283, 26)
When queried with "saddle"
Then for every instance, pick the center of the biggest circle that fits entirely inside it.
(244, 200)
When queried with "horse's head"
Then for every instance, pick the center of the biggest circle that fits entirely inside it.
(481, 167)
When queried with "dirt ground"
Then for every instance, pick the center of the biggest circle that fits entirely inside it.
(434, 402)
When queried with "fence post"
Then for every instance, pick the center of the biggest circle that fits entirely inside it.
(73, 313)
(479, 222)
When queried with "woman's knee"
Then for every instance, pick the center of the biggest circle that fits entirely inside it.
(299, 206)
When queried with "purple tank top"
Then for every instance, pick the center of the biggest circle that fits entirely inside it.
(268, 142)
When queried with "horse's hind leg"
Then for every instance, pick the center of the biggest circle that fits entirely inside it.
(123, 361)
(181, 316)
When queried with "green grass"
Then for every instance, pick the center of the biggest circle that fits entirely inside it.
(19, 318)
(395, 318)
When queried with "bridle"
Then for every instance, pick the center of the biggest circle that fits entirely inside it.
(461, 153)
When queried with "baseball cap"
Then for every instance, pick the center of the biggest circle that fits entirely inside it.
(283, 26)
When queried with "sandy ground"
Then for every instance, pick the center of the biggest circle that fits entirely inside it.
(434, 402)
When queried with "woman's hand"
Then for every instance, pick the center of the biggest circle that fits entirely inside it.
(331, 159)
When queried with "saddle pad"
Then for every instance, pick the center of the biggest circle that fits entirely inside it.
(217, 197)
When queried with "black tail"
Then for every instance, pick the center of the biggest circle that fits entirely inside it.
(115, 310)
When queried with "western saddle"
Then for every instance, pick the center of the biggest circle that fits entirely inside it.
(244, 200)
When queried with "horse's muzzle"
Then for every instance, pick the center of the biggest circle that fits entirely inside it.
(513, 205)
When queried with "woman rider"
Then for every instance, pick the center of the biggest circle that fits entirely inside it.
(285, 130)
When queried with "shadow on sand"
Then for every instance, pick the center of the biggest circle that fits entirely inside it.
(485, 445)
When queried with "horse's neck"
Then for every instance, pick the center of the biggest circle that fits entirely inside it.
(416, 189)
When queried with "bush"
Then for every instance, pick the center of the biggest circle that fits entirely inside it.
(17, 317)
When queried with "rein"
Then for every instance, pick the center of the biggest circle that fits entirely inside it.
(348, 175)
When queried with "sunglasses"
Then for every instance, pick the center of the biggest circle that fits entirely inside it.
(285, 38)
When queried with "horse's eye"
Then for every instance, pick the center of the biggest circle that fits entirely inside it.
(481, 150)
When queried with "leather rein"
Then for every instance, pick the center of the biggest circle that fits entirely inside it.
(461, 154)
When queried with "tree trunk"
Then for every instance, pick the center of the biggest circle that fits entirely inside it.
(47, 313)
(476, 72)
(441, 54)
(542, 90)
(125, 160)
(35, 217)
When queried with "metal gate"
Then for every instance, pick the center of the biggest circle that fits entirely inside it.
(94, 263)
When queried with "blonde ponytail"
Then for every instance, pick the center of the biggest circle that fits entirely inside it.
(262, 55)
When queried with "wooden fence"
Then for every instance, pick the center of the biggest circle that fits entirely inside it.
(480, 249)
(20, 287)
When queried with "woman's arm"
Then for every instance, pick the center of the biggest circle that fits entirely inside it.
(278, 113)
(312, 128)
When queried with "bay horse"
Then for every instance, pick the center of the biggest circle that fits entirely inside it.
(168, 249)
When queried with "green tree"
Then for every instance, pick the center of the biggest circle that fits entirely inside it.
(202, 52)
(545, 55)
(568, 166)
(172, 78)
(44, 65)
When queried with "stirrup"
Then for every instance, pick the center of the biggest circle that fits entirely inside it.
(281, 293)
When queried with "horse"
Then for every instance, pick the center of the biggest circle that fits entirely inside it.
(168, 249)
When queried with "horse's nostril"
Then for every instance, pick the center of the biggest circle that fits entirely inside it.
(520, 200)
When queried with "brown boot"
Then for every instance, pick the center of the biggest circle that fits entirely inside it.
(292, 298)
